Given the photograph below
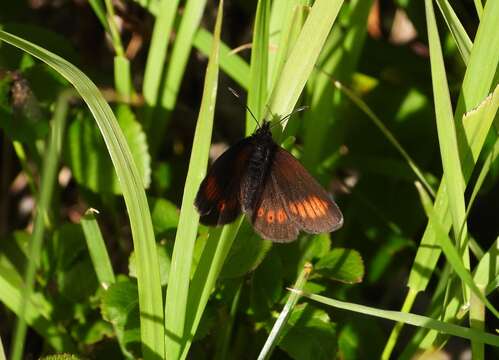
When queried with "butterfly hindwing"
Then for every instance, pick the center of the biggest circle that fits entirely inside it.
(306, 202)
(269, 216)
(217, 200)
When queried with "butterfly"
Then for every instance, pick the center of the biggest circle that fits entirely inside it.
(258, 177)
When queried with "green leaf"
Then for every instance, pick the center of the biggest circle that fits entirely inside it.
(176, 310)
(120, 307)
(164, 216)
(311, 334)
(344, 265)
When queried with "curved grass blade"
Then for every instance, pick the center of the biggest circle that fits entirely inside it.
(457, 30)
(447, 138)
(408, 318)
(150, 300)
(156, 57)
(176, 309)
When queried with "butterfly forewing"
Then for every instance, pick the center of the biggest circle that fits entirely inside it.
(305, 200)
(217, 200)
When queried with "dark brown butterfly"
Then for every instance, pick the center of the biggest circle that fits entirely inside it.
(270, 186)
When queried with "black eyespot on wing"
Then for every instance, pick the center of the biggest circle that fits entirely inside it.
(217, 200)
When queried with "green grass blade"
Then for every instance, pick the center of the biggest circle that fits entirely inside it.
(288, 36)
(303, 57)
(257, 91)
(150, 300)
(156, 57)
(100, 12)
(483, 62)
(172, 77)
(476, 127)
(450, 251)
(49, 173)
(176, 309)
(280, 16)
(478, 78)
(97, 249)
(2, 351)
(457, 30)
(206, 275)
(281, 321)
(410, 319)
(232, 64)
(446, 130)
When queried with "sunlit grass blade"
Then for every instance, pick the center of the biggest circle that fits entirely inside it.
(2, 351)
(156, 57)
(49, 174)
(409, 318)
(303, 57)
(97, 249)
(281, 321)
(257, 90)
(172, 77)
(232, 64)
(447, 138)
(176, 309)
(280, 20)
(478, 78)
(100, 12)
(452, 255)
(287, 38)
(150, 299)
(457, 30)
(206, 275)
(483, 62)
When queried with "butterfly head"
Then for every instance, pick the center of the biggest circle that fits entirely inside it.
(263, 130)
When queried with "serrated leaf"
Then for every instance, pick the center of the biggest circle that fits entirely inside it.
(120, 306)
(88, 156)
(344, 265)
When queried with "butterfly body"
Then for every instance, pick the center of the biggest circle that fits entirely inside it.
(277, 194)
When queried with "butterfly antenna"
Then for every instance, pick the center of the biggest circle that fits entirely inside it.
(240, 101)
(297, 110)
